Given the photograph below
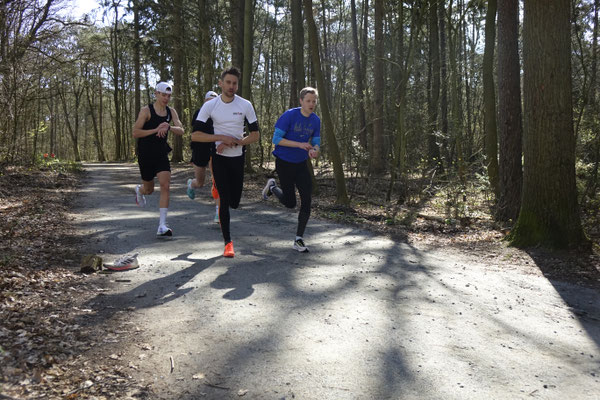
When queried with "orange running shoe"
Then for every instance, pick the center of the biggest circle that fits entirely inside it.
(229, 250)
(214, 191)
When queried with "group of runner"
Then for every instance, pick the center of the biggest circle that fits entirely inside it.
(218, 142)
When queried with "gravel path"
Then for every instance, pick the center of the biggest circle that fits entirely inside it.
(359, 317)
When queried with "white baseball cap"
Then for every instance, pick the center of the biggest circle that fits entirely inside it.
(210, 95)
(164, 87)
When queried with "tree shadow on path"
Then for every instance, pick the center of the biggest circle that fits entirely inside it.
(582, 301)
(152, 293)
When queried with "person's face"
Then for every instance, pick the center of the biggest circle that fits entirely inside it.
(308, 103)
(229, 85)
(163, 98)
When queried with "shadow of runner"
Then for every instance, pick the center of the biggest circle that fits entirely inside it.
(315, 323)
(241, 278)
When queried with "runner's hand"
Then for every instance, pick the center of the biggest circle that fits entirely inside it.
(229, 141)
(305, 146)
(221, 147)
(163, 128)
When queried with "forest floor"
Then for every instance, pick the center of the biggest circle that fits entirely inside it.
(44, 349)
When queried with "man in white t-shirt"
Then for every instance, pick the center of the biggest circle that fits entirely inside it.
(229, 114)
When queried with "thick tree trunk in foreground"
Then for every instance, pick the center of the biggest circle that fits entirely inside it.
(549, 213)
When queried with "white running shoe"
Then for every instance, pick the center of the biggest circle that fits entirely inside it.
(164, 232)
(126, 262)
(267, 189)
(140, 199)
(300, 246)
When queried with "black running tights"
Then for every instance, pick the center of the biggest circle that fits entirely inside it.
(229, 179)
(297, 174)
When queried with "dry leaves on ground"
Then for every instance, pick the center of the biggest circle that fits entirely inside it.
(47, 348)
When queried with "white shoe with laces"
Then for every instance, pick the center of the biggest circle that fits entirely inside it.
(126, 262)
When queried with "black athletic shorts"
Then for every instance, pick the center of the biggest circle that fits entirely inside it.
(201, 154)
(152, 165)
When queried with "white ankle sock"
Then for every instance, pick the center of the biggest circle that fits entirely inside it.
(163, 217)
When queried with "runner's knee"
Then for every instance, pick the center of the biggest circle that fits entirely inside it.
(165, 186)
(289, 202)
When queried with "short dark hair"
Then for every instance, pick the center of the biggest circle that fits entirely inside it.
(231, 71)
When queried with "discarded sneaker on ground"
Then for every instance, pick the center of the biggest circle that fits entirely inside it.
(124, 263)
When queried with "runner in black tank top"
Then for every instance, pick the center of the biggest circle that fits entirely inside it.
(151, 129)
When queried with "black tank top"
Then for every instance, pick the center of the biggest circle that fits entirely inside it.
(153, 144)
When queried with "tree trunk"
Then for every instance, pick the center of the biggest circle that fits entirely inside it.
(329, 131)
(325, 56)
(592, 183)
(247, 67)
(400, 145)
(178, 41)
(364, 61)
(297, 81)
(469, 72)
(53, 124)
(136, 57)
(549, 213)
(97, 142)
(115, 51)
(443, 80)
(73, 131)
(202, 33)
(489, 98)
(362, 119)
(236, 40)
(101, 109)
(456, 107)
(509, 112)
(433, 94)
(377, 151)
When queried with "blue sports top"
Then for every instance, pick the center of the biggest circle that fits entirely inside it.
(292, 125)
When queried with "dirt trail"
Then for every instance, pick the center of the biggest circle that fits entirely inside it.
(359, 317)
